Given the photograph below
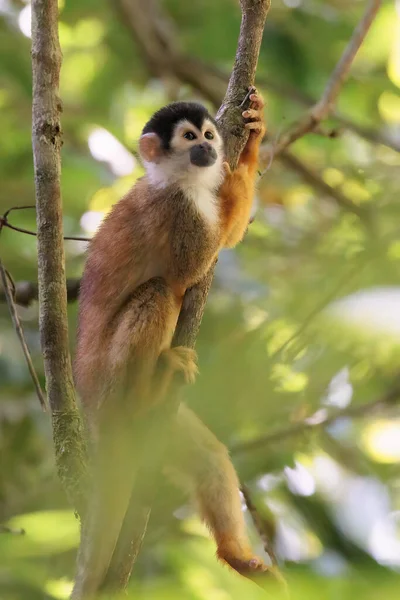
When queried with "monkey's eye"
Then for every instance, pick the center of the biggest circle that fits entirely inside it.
(189, 135)
(209, 135)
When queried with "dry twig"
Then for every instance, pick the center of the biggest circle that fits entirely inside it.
(4, 222)
(264, 531)
(8, 290)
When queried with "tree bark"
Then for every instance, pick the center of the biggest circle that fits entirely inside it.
(46, 141)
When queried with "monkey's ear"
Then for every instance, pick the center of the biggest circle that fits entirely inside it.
(150, 147)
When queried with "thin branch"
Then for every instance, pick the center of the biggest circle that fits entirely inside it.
(46, 141)
(388, 400)
(374, 136)
(342, 69)
(325, 105)
(15, 208)
(4, 222)
(263, 528)
(8, 292)
(208, 72)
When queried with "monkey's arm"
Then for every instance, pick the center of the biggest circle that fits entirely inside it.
(237, 191)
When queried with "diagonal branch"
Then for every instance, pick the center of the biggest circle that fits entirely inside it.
(9, 295)
(264, 529)
(374, 136)
(389, 399)
(325, 105)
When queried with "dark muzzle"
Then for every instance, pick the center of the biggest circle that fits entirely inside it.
(203, 155)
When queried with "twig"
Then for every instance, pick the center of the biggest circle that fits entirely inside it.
(13, 208)
(5, 223)
(390, 398)
(374, 136)
(247, 96)
(339, 75)
(5, 280)
(263, 529)
(325, 105)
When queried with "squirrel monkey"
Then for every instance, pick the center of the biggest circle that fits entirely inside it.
(158, 241)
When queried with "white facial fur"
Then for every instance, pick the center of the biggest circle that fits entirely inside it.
(198, 183)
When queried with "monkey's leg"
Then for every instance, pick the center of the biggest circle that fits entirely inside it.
(201, 464)
(141, 344)
(141, 330)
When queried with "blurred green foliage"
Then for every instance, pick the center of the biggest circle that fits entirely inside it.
(303, 318)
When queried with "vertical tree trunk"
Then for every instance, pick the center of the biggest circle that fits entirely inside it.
(46, 141)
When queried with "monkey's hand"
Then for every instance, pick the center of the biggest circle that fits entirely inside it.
(254, 116)
(172, 362)
(237, 191)
(181, 359)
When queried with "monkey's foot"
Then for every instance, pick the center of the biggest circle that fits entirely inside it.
(247, 568)
(182, 359)
(254, 115)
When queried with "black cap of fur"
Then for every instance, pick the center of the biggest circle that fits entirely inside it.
(164, 120)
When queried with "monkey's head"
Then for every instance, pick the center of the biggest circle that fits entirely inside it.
(181, 142)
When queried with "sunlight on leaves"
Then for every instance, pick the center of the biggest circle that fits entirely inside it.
(356, 191)
(79, 69)
(393, 67)
(382, 441)
(288, 380)
(59, 588)
(389, 107)
(332, 176)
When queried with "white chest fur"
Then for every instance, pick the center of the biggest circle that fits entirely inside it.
(199, 184)
(206, 203)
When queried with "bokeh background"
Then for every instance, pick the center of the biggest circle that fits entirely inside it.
(303, 321)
